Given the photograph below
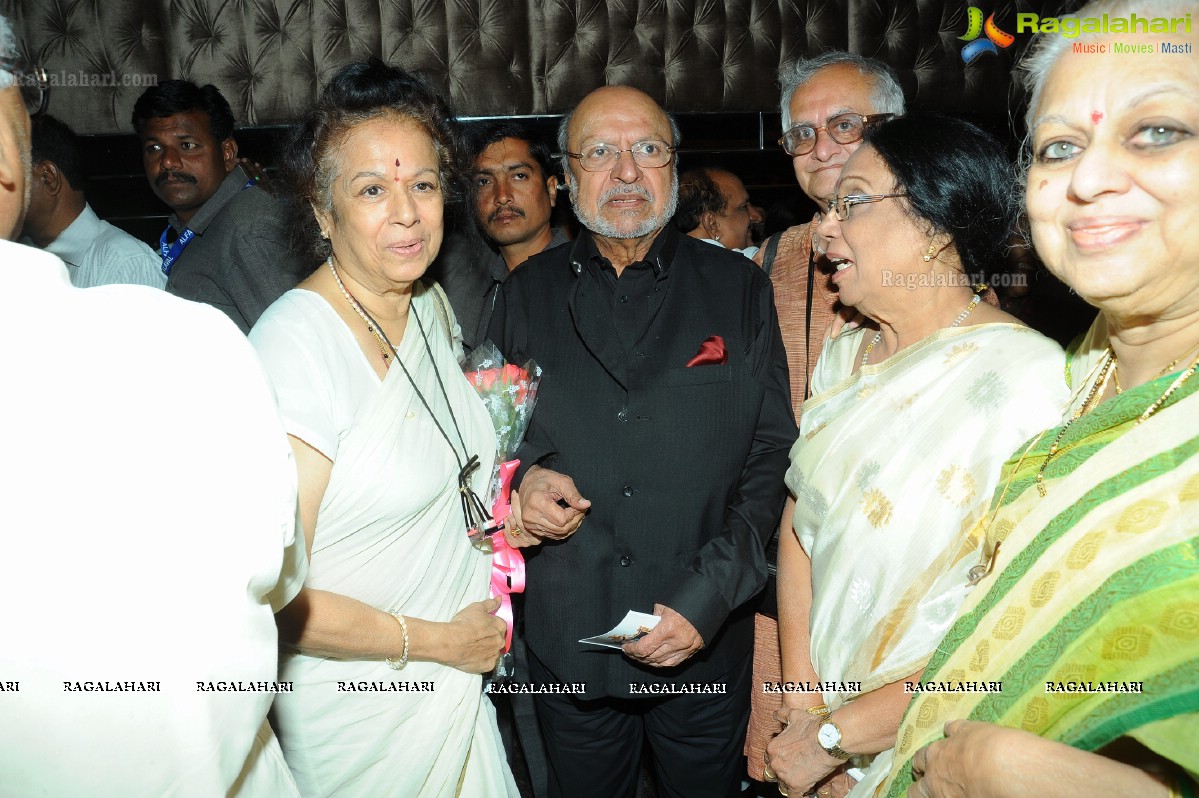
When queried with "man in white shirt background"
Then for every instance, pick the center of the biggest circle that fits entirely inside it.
(60, 221)
(714, 207)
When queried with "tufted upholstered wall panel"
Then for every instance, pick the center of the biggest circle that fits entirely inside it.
(498, 57)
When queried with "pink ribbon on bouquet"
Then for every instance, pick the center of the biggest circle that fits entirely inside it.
(507, 563)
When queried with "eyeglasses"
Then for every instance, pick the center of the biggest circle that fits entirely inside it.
(841, 205)
(843, 129)
(32, 81)
(650, 154)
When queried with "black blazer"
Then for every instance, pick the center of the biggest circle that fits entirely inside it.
(684, 466)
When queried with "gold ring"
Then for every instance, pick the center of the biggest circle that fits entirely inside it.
(516, 530)
(768, 774)
(782, 791)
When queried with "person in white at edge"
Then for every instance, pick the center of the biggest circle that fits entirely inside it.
(60, 220)
(143, 557)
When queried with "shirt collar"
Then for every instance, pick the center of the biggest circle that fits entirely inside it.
(499, 267)
(77, 237)
(660, 256)
(230, 187)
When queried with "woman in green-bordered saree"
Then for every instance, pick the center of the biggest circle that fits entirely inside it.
(1086, 606)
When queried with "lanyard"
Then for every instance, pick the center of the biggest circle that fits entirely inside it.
(171, 254)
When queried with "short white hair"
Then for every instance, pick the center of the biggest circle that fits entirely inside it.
(8, 49)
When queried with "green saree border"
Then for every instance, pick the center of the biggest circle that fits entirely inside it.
(1167, 566)
(1133, 711)
(1132, 477)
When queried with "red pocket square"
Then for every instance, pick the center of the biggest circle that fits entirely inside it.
(711, 353)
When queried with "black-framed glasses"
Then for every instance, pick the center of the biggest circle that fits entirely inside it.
(840, 206)
(32, 81)
(651, 154)
(842, 128)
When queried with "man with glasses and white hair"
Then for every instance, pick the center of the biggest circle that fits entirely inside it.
(143, 558)
(826, 104)
(664, 403)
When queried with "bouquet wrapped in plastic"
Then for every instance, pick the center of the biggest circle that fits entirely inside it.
(509, 393)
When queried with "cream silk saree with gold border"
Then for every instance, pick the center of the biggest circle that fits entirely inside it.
(894, 465)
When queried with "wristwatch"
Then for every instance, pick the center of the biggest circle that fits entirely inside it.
(829, 737)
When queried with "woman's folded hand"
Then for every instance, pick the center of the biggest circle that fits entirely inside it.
(477, 637)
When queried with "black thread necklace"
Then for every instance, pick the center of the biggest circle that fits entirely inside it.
(474, 513)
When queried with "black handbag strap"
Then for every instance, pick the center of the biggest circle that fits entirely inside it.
(769, 248)
(807, 341)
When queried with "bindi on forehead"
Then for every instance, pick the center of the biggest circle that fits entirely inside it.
(1096, 117)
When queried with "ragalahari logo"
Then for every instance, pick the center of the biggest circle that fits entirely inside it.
(995, 40)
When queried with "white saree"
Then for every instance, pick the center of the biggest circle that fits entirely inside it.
(389, 533)
(893, 465)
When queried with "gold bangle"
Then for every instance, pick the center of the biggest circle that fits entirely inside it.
(398, 665)
(820, 710)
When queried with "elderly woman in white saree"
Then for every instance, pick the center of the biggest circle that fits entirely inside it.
(901, 444)
(392, 627)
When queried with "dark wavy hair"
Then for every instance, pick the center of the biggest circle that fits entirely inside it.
(957, 178)
(179, 97)
(698, 194)
(358, 93)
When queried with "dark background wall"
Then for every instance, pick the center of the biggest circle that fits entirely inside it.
(712, 63)
(499, 57)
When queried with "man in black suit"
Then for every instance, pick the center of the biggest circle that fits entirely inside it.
(665, 403)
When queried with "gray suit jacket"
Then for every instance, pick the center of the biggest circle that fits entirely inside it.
(240, 260)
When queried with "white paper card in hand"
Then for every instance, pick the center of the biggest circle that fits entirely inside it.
(634, 626)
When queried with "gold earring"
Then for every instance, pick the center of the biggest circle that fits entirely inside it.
(932, 247)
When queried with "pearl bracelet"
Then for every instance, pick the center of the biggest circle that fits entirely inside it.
(399, 664)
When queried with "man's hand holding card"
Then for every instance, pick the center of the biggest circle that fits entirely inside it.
(670, 643)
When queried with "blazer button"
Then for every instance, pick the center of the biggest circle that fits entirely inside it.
(626, 561)
(626, 491)
(623, 415)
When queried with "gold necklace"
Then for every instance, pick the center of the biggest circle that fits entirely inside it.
(384, 349)
(978, 572)
(1096, 390)
(1183, 377)
(1161, 373)
(1100, 385)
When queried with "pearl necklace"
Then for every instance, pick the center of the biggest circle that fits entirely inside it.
(878, 336)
